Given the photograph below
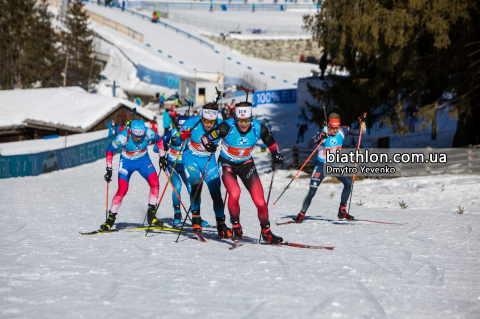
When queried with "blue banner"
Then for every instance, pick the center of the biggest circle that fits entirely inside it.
(40, 163)
(276, 96)
(169, 80)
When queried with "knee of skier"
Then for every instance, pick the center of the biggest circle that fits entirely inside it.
(153, 181)
(122, 188)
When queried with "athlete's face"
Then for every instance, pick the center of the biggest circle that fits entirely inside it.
(334, 130)
(244, 126)
(136, 139)
(208, 124)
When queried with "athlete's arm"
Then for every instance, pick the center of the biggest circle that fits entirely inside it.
(119, 141)
(220, 131)
(268, 140)
(159, 142)
(166, 138)
(315, 139)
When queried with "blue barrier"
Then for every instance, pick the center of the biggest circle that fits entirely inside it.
(49, 161)
(275, 96)
(165, 79)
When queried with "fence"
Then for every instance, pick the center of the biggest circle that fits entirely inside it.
(49, 161)
(159, 23)
(115, 25)
(222, 6)
(458, 161)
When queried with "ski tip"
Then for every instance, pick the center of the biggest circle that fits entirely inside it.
(275, 203)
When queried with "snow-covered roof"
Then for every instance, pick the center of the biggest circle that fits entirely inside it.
(70, 107)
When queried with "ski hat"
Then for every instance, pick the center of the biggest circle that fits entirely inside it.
(137, 128)
(182, 119)
(209, 114)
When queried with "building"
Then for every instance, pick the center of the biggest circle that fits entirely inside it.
(36, 113)
(203, 91)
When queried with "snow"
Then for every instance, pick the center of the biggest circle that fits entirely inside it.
(41, 145)
(180, 48)
(427, 268)
(68, 106)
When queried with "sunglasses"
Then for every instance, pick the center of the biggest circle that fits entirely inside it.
(243, 120)
(209, 121)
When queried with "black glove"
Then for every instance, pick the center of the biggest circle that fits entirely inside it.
(166, 147)
(108, 176)
(324, 135)
(211, 147)
(162, 162)
(277, 158)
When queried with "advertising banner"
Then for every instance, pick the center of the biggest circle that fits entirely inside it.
(147, 75)
(276, 96)
(44, 162)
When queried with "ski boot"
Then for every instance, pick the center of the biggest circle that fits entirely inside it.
(268, 236)
(300, 217)
(342, 213)
(223, 230)
(196, 222)
(237, 230)
(177, 216)
(110, 221)
(152, 218)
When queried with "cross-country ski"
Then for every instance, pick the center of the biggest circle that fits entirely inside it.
(248, 159)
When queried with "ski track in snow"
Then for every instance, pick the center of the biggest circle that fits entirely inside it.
(428, 268)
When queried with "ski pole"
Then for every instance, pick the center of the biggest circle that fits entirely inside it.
(275, 203)
(361, 119)
(225, 200)
(177, 194)
(106, 209)
(271, 183)
(269, 191)
(194, 196)
(174, 164)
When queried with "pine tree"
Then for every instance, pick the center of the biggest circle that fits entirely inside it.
(27, 46)
(78, 45)
(402, 57)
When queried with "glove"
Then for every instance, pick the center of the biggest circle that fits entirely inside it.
(108, 176)
(162, 162)
(185, 134)
(166, 147)
(277, 158)
(211, 147)
(324, 135)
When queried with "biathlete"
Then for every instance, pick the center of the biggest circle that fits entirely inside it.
(195, 158)
(332, 141)
(134, 142)
(239, 135)
(172, 138)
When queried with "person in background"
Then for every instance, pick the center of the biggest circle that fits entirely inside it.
(167, 120)
(123, 5)
(253, 7)
(302, 126)
(191, 100)
(195, 113)
(173, 115)
(158, 16)
(154, 17)
(112, 128)
(323, 64)
(211, 6)
(153, 124)
(162, 101)
(122, 127)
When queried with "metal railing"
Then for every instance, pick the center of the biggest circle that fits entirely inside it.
(166, 25)
(115, 25)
